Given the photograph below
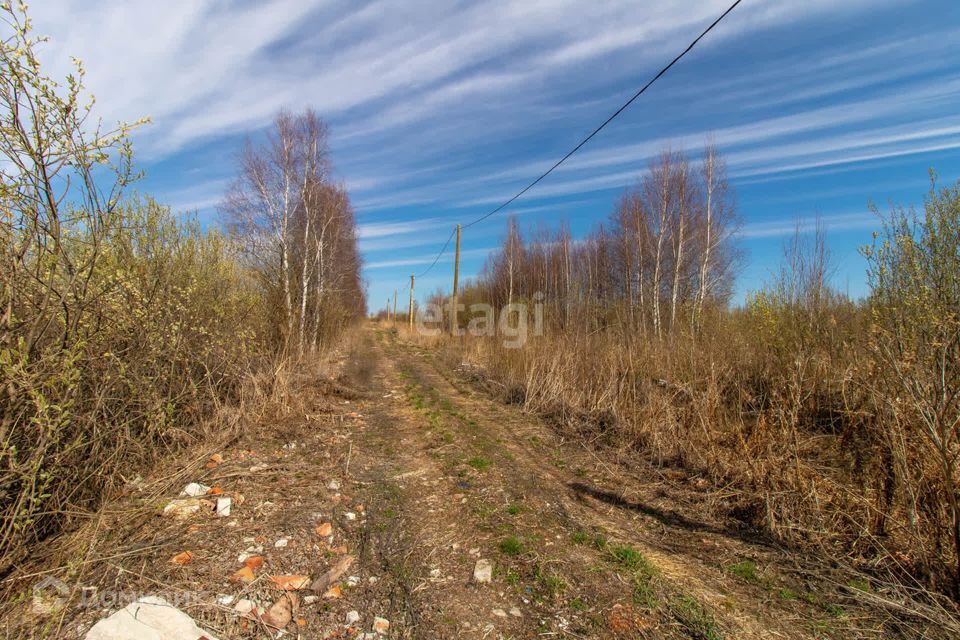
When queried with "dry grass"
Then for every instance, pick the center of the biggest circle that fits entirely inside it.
(793, 440)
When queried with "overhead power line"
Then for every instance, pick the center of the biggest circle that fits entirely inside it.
(587, 139)
(442, 250)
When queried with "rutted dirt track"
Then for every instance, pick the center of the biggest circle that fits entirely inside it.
(409, 468)
(582, 547)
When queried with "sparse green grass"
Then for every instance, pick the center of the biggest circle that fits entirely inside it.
(577, 605)
(860, 584)
(746, 570)
(554, 585)
(698, 622)
(511, 546)
(580, 537)
(831, 609)
(629, 558)
(514, 509)
(480, 463)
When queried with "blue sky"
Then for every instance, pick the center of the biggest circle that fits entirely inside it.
(440, 111)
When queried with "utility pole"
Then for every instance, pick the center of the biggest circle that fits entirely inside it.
(456, 275)
(410, 321)
(394, 305)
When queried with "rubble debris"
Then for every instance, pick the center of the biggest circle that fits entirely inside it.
(483, 571)
(334, 592)
(352, 617)
(195, 490)
(280, 613)
(290, 582)
(323, 582)
(149, 618)
(381, 625)
(223, 507)
(244, 606)
(184, 557)
(182, 508)
(324, 529)
(244, 574)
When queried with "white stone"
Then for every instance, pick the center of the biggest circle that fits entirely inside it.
(182, 508)
(381, 625)
(500, 613)
(281, 543)
(244, 606)
(483, 571)
(515, 612)
(223, 507)
(195, 490)
(334, 485)
(149, 618)
(226, 600)
(350, 515)
(352, 617)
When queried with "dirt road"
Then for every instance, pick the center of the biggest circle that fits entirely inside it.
(406, 473)
(581, 545)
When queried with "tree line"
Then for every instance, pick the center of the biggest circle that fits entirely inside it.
(665, 257)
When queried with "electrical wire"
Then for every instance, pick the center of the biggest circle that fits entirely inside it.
(593, 133)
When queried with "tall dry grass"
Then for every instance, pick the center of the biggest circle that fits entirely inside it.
(835, 423)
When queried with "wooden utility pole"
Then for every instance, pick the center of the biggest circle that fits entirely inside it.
(394, 305)
(410, 321)
(456, 275)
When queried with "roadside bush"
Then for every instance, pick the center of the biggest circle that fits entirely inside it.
(122, 329)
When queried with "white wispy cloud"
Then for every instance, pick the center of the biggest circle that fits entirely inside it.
(425, 259)
(805, 224)
(381, 229)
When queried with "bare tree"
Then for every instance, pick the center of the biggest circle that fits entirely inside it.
(293, 223)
